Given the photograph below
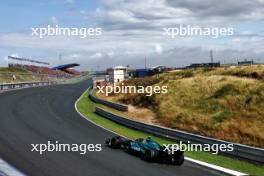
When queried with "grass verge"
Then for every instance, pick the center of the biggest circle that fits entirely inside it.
(86, 107)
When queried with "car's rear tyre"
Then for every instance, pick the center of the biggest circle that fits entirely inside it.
(115, 142)
(177, 159)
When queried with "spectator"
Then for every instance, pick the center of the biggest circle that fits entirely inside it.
(14, 77)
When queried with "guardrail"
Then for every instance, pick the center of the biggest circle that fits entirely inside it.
(10, 86)
(116, 106)
(252, 154)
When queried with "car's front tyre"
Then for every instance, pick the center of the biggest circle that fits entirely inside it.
(149, 155)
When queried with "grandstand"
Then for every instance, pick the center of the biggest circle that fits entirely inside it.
(20, 62)
(43, 68)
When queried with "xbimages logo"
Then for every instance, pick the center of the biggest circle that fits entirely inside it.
(59, 147)
(195, 30)
(65, 31)
(128, 89)
(213, 148)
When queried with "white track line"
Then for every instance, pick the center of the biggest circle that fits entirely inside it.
(8, 170)
(200, 163)
(215, 167)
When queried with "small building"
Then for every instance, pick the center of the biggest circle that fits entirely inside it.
(245, 62)
(140, 73)
(159, 69)
(204, 65)
(99, 81)
(131, 73)
(117, 74)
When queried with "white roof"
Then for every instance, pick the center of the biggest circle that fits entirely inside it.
(119, 67)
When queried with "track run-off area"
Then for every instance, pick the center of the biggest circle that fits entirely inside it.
(42, 114)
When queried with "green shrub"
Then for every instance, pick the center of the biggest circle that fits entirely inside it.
(185, 73)
(222, 116)
(244, 73)
(248, 99)
(207, 69)
(228, 89)
(179, 118)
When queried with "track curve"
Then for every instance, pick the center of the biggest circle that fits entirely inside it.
(36, 115)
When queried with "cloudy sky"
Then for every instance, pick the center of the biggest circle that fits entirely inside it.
(131, 31)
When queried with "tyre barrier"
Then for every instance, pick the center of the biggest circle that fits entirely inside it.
(116, 106)
(244, 152)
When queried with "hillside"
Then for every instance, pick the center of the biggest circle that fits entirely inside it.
(6, 75)
(226, 103)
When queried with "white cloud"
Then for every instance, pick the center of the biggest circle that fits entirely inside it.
(96, 55)
(132, 32)
(54, 20)
(74, 56)
(14, 55)
(158, 48)
(111, 54)
(6, 58)
(236, 39)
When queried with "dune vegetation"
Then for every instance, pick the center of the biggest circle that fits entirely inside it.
(226, 103)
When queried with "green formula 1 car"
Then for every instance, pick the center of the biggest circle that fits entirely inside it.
(147, 149)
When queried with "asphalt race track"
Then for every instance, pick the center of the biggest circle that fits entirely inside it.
(36, 115)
